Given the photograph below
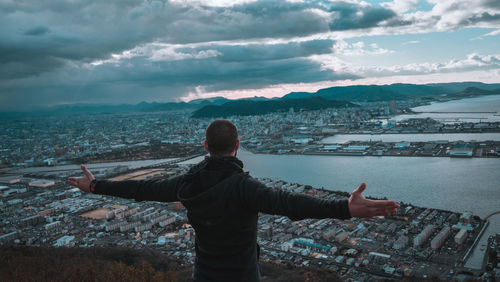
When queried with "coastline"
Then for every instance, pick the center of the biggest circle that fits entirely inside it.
(438, 149)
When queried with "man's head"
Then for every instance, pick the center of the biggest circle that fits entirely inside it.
(221, 138)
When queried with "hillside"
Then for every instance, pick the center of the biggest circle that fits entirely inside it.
(249, 107)
(474, 91)
(122, 264)
(398, 91)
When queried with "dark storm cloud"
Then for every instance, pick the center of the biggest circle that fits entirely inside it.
(493, 4)
(39, 33)
(482, 18)
(264, 52)
(80, 31)
(38, 30)
(350, 16)
(47, 47)
(138, 78)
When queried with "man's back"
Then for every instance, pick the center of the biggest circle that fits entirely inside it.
(225, 229)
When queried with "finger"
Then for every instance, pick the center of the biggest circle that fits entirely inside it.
(382, 203)
(383, 210)
(86, 171)
(381, 213)
(360, 189)
(72, 179)
(72, 182)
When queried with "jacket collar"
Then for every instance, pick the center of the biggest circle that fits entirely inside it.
(218, 162)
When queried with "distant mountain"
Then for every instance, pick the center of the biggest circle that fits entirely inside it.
(357, 93)
(298, 95)
(398, 91)
(248, 107)
(213, 100)
(256, 98)
(454, 87)
(473, 91)
(378, 92)
(171, 106)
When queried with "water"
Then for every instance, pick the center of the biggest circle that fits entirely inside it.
(465, 106)
(422, 137)
(478, 104)
(443, 183)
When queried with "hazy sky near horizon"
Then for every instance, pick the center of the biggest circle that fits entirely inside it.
(80, 51)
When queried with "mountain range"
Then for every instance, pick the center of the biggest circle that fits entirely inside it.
(220, 106)
(251, 107)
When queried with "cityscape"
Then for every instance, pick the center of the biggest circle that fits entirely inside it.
(39, 208)
(60, 141)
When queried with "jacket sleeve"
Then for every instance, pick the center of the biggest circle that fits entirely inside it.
(162, 190)
(260, 198)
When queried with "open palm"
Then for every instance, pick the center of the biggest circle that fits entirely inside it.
(361, 207)
(82, 182)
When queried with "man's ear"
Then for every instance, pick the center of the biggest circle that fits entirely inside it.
(205, 143)
(237, 145)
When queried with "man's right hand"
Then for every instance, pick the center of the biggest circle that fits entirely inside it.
(83, 183)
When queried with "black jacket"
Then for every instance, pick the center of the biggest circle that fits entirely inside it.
(222, 204)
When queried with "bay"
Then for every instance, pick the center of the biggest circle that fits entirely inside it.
(443, 183)
(463, 110)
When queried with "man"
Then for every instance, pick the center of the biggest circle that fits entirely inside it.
(223, 203)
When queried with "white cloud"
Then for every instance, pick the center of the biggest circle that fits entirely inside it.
(401, 6)
(471, 62)
(411, 42)
(212, 3)
(171, 54)
(453, 14)
(493, 33)
(359, 48)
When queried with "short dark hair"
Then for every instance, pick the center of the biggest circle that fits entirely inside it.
(221, 136)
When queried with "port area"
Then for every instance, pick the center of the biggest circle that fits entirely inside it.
(492, 265)
(416, 242)
(458, 149)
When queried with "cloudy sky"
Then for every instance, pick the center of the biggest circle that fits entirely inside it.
(81, 51)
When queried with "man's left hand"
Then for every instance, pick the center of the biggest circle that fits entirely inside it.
(361, 207)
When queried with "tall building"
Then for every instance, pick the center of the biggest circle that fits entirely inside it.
(424, 235)
(440, 238)
(461, 236)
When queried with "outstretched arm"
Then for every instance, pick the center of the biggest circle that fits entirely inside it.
(260, 198)
(299, 206)
(163, 190)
